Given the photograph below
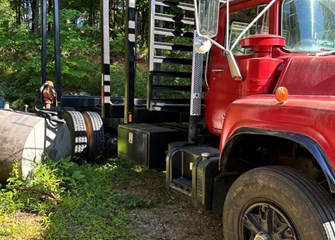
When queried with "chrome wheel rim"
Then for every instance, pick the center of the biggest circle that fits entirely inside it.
(266, 221)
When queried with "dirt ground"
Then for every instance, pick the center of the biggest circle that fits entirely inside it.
(177, 219)
(173, 217)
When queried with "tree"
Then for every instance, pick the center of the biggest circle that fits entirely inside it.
(89, 8)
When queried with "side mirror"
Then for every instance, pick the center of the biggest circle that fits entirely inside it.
(201, 44)
(208, 17)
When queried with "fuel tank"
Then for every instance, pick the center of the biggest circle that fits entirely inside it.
(28, 139)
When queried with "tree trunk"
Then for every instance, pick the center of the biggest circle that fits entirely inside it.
(50, 8)
(17, 5)
(113, 14)
(92, 13)
(35, 13)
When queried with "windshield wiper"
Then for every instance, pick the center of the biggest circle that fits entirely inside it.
(329, 52)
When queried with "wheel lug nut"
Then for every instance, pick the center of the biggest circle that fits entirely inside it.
(288, 232)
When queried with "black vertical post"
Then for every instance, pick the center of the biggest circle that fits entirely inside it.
(57, 50)
(44, 42)
(105, 61)
(130, 61)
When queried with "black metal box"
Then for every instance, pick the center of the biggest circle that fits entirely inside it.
(146, 144)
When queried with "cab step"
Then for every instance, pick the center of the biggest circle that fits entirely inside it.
(183, 185)
(191, 170)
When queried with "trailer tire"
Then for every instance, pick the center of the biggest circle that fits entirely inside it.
(76, 124)
(277, 203)
(95, 135)
(66, 109)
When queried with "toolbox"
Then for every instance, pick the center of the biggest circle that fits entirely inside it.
(146, 144)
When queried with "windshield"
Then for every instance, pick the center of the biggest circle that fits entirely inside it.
(308, 25)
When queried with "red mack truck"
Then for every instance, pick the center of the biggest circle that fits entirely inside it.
(269, 98)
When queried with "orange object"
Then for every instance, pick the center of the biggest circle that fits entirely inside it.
(130, 118)
(281, 94)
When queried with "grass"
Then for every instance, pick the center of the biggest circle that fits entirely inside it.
(20, 226)
(65, 200)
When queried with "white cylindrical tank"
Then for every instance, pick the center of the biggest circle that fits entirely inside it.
(27, 138)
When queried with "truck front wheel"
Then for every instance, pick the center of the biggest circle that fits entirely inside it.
(277, 203)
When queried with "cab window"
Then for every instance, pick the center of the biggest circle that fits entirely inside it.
(239, 20)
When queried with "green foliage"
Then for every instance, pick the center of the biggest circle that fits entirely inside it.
(93, 207)
(20, 61)
(24, 194)
(19, 226)
(89, 7)
(6, 14)
(19, 64)
(118, 78)
(37, 194)
(85, 201)
(141, 82)
(117, 45)
(20, 55)
(80, 55)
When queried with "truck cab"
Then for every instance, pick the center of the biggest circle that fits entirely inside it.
(269, 97)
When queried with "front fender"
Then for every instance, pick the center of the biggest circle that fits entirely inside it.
(307, 120)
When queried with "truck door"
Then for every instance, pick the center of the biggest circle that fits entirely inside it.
(221, 89)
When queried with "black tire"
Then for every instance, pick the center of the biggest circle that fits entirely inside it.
(67, 109)
(77, 128)
(278, 203)
(62, 110)
(95, 135)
